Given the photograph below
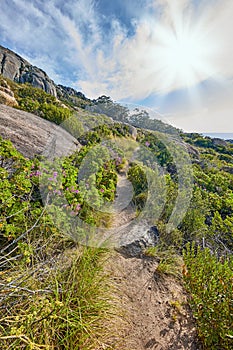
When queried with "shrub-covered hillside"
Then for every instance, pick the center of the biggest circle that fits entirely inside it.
(52, 292)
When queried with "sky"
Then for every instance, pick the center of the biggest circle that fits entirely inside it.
(173, 56)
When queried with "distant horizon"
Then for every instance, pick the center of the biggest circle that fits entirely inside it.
(224, 136)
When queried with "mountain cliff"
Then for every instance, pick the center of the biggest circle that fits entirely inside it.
(16, 68)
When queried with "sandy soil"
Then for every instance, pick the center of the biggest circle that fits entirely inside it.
(156, 313)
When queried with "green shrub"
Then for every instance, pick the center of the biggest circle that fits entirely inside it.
(209, 281)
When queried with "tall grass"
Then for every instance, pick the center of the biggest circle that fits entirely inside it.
(58, 307)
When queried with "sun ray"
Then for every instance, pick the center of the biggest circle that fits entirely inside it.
(183, 52)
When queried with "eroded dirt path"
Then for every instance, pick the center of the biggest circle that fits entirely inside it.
(124, 210)
(156, 313)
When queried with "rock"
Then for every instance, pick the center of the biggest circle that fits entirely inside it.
(228, 169)
(7, 95)
(33, 135)
(193, 151)
(137, 238)
(64, 91)
(219, 142)
(16, 68)
(7, 100)
(132, 130)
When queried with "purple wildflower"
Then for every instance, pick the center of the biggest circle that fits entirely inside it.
(147, 144)
(78, 207)
(57, 192)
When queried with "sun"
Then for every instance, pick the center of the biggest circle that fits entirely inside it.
(184, 56)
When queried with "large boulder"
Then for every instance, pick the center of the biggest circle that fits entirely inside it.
(33, 135)
(16, 68)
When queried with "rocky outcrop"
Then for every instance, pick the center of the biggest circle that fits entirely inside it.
(68, 92)
(193, 151)
(33, 135)
(16, 68)
(219, 142)
(6, 94)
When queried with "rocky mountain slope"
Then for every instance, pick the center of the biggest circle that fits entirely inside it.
(16, 68)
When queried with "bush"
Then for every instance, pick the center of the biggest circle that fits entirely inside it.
(209, 281)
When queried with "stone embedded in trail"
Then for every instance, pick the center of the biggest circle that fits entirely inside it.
(136, 238)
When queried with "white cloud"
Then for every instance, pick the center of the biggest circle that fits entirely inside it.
(213, 114)
(72, 34)
(122, 65)
(132, 66)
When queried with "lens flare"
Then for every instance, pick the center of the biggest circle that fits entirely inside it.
(184, 53)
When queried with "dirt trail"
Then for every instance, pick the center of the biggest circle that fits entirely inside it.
(156, 313)
(124, 210)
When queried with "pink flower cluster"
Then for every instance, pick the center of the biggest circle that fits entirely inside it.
(58, 192)
(118, 160)
(73, 190)
(35, 173)
(76, 210)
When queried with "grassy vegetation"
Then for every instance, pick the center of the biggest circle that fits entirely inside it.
(63, 307)
(169, 262)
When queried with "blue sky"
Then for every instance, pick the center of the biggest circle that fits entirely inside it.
(174, 56)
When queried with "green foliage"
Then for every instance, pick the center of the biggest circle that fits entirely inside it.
(48, 308)
(69, 304)
(137, 117)
(209, 281)
(37, 101)
(169, 262)
(17, 210)
(103, 132)
(194, 222)
(46, 106)
(137, 177)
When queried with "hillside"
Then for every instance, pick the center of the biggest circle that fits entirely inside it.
(162, 198)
